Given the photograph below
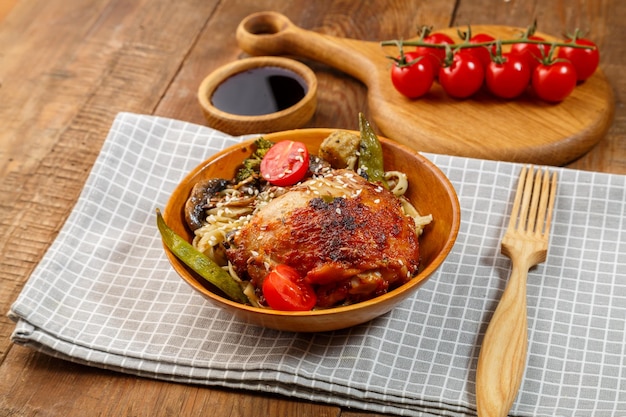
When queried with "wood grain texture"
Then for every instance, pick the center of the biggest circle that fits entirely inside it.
(68, 389)
(5, 8)
(68, 66)
(60, 102)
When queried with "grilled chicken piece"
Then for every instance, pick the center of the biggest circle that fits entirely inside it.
(348, 237)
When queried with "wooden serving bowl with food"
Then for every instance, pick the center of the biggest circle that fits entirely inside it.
(349, 250)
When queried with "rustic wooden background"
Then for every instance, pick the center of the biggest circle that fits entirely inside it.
(67, 67)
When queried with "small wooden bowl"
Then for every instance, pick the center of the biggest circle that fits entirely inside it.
(429, 190)
(234, 124)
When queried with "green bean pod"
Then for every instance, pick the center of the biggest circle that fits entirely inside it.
(371, 153)
(199, 262)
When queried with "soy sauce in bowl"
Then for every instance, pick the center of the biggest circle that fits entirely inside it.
(258, 91)
(260, 94)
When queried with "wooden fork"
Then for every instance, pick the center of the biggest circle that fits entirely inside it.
(503, 354)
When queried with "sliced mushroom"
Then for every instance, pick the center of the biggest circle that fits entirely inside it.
(199, 197)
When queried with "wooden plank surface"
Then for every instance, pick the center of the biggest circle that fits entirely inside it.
(5, 8)
(68, 66)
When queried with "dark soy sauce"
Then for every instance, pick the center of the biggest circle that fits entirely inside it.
(258, 91)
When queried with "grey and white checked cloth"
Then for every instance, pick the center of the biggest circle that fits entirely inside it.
(105, 295)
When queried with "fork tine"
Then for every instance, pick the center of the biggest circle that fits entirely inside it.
(518, 198)
(534, 201)
(543, 204)
(550, 207)
(525, 197)
(537, 192)
(546, 205)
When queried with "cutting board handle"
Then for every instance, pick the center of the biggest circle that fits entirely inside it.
(271, 33)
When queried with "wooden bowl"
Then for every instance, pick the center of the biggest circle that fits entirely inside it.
(429, 190)
(235, 124)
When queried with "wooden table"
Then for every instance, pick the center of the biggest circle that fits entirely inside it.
(67, 67)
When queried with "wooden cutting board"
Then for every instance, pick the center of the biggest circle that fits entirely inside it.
(522, 130)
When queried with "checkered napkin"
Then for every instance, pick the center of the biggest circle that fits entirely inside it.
(105, 295)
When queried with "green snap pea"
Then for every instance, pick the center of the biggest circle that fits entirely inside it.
(371, 153)
(199, 262)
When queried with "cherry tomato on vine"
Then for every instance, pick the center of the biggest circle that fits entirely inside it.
(532, 52)
(482, 52)
(412, 76)
(284, 289)
(463, 77)
(509, 78)
(584, 60)
(434, 55)
(554, 82)
(285, 163)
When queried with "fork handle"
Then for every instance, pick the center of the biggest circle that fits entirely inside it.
(503, 354)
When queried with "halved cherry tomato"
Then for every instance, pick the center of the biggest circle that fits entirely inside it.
(584, 60)
(412, 75)
(509, 78)
(532, 52)
(284, 289)
(554, 82)
(463, 77)
(285, 163)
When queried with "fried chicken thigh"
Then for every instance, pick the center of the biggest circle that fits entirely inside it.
(347, 237)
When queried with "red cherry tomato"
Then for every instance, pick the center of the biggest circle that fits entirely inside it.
(482, 52)
(554, 82)
(285, 290)
(508, 79)
(285, 163)
(434, 55)
(584, 60)
(532, 52)
(463, 77)
(412, 78)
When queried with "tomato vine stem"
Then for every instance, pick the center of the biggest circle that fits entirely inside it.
(464, 45)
